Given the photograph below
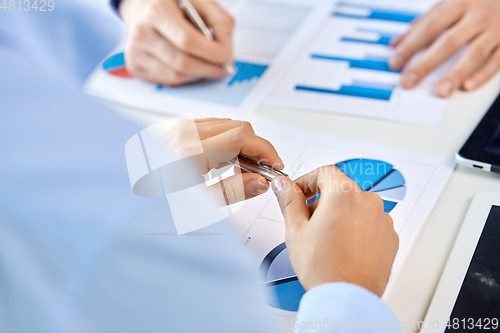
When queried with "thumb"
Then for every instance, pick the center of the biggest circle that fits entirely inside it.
(292, 201)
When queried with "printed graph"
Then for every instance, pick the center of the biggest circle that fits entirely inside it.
(229, 91)
(284, 289)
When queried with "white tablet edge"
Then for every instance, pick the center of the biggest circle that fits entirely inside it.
(458, 262)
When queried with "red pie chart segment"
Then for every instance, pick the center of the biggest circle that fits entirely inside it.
(115, 65)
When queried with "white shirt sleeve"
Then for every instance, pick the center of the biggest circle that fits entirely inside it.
(343, 307)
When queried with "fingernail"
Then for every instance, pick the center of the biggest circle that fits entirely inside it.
(471, 84)
(278, 185)
(444, 88)
(255, 187)
(280, 161)
(229, 69)
(409, 79)
(396, 61)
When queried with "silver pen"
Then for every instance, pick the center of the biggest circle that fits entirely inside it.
(197, 21)
(252, 166)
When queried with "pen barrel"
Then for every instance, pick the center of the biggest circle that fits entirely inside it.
(266, 171)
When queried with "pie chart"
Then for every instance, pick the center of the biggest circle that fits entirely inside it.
(284, 290)
(115, 65)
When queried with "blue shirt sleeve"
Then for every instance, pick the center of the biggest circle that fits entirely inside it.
(343, 307)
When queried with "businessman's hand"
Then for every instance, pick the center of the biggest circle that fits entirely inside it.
(448, 27)
(237, 137)
(165, 48)
(344, 236)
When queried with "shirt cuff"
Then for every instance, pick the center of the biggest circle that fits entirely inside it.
(115, 4)
(343, 307)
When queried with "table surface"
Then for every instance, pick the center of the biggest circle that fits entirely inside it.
(412, 288)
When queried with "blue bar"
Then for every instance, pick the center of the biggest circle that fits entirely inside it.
(353, 91)
(376, 65)
(382, 14)
(383, 86)
(394, 16)
(383, 40)
(247, 71)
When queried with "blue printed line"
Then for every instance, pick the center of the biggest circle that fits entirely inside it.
(382, 14)
(377, 65)
(383, 40)
(353, 91)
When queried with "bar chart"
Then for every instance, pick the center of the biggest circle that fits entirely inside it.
(346, 68)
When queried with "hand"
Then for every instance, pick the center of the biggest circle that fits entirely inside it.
(237, 137)
(344, 236)
(165, 48)
(473, 22)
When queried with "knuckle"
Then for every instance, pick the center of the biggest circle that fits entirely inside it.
(247, 126)
(132, 63)
(285, 202)
(428, 29)
(169, 77)
(138, 34)
(176, 78)
(228, 21)
(181, 63)
(239, 134)
(328, 169)
(451, 42)
(478, 52)
(184, 41)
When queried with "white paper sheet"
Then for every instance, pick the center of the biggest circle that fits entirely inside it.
(267, 35)
(260, 223)
(344, 68)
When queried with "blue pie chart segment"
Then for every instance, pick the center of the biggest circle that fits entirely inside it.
(284, 289)
(392, 180)
(365, 172)
(285, 294)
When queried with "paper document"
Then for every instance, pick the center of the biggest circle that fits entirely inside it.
(266, 34)
(409, 182)
(344, 68)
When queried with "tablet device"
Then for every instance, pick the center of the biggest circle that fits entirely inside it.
(467, 298)
(482, 149)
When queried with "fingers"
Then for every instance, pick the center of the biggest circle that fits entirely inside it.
(240, 140)
(172, 25)
(180, 62)
(244, 186)
(147, 67)
(213, 128)
(425, 30)
(221, 22)
(442, 49)
(150, 42)
(485, 73)
(292, 202)
(208, 120)
(475, 55)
